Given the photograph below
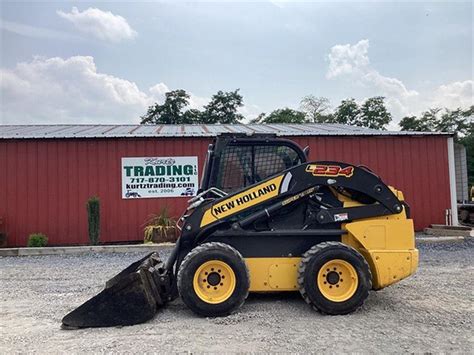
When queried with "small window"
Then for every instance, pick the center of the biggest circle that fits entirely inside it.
(244, 165)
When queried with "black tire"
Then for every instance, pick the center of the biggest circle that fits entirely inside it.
(198, 257)
(311, 263)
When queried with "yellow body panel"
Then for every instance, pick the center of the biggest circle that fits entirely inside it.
(273, 274)
(388, 245)
(386, 242)
(390, 266)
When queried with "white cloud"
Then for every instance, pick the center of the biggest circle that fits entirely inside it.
(103, 25)
(250, 112)
(347, 59)
(351, 62)
(457, 94)
(57, 90)
(158, 91)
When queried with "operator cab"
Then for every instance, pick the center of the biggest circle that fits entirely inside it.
(234, 162)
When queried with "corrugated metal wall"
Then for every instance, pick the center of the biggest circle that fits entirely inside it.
(44, 184)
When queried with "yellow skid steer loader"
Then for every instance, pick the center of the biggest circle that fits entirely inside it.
(266, 220)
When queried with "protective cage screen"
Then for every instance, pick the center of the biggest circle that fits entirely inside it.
(244, 165)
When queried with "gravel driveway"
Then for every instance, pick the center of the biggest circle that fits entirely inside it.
(429, 312)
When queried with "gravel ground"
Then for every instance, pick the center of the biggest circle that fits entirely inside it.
(429, 312)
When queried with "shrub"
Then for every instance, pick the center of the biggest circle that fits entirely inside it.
(160, 228)
(93, 217)
(37, 240)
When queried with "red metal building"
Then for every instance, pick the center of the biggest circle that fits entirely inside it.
(47, 173)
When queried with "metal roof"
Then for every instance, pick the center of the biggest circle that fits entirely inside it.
(197, 130)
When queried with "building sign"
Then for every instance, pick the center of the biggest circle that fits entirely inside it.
(159, 177)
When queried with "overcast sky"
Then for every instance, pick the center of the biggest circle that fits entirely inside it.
(105, 62)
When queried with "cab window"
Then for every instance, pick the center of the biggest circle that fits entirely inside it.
(244, 165)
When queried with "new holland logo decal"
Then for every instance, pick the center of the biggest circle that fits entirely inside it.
(243, 200)
(330, 170)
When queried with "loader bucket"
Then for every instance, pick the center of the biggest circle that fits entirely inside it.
(131, 297)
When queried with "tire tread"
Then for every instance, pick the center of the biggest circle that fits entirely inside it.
(316, 249)
(205, 247)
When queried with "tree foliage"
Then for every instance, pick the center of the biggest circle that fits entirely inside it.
(222, 108)
(348, 112)
(374, 114)
(316, 109)
(458, 121)
(371, 114)
(171, 111)
(284, 115)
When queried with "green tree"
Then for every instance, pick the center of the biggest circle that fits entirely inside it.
(428, 121)
(458, 121)
(223, 108)
(348, 112)
(412, 123)
(170, 112)
(374, 114)
(371, 114)
(316, 109)
(259, 118)
(192, 116)
(284, 115)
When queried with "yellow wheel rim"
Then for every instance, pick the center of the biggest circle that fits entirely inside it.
(337, 280)
(214, 281)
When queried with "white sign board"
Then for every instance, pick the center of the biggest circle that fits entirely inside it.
(152, 177)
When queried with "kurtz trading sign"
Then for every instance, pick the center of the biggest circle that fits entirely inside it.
(159, 177)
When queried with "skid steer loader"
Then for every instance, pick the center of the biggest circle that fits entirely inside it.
(266, 220)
